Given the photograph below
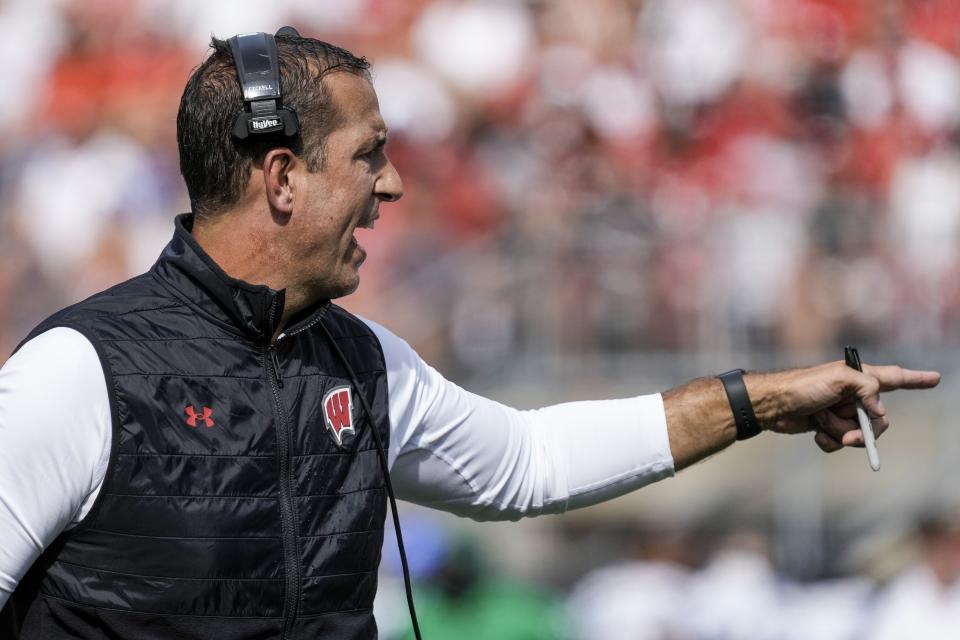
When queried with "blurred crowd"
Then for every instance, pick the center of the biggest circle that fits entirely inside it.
(662, 584)
(581, 177)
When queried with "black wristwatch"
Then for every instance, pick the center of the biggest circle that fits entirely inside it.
(747, 423)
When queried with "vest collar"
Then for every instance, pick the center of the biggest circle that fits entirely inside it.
(252, 309)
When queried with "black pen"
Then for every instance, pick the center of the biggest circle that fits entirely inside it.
(869, 439)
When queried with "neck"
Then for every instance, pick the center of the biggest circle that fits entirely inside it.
(246, 251)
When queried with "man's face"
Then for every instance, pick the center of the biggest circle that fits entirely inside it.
(329, 204)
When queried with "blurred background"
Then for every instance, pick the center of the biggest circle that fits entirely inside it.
(603, 198)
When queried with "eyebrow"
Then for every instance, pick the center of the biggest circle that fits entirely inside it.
(377, 141)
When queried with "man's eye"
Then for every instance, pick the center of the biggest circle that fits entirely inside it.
(374, 154)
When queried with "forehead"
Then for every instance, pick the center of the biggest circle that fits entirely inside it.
(355, 103)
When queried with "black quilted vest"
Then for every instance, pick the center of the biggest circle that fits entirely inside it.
(229, 510)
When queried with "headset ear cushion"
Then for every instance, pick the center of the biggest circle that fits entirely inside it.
(240, 130)
(291, 123)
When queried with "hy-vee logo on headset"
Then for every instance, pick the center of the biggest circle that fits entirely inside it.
(265, 124)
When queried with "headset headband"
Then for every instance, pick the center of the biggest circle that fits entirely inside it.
(255, 57)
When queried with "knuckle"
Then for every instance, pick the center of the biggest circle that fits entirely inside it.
(826, 442)
(843, 378)
(900, 375)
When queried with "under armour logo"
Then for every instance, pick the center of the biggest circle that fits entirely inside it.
(338, 412)
(192, 416)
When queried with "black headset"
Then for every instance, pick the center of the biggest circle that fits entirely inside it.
(255, 56)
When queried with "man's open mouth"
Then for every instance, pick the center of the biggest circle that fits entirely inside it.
(366, 223)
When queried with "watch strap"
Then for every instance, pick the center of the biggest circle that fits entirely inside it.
(746, 420)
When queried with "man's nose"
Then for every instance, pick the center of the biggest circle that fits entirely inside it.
(389, 187)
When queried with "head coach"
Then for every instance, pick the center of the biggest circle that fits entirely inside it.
(207, 450)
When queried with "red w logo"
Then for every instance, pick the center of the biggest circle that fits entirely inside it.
(192, 416)
(338, 412)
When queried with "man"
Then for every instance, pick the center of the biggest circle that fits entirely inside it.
(194, 453)
(923, 599)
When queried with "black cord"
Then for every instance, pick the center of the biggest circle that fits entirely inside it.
(381, 454)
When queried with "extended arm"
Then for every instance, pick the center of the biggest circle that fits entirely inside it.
(456, 451)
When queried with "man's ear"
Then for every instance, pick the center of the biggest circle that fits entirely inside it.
(277, 167)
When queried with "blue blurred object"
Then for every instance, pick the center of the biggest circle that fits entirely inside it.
(427, 543)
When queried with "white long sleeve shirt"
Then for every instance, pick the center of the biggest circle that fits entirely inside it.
(449, 449)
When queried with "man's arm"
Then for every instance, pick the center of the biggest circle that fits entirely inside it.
(819, 399)
(456, 451)
(54, 445)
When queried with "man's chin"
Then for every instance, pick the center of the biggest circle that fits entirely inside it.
(344, 289)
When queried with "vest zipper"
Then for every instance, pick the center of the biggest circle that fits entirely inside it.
(288, 522)
(278, 375)
(306, 326)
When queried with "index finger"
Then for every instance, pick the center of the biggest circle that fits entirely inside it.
(892, 377)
